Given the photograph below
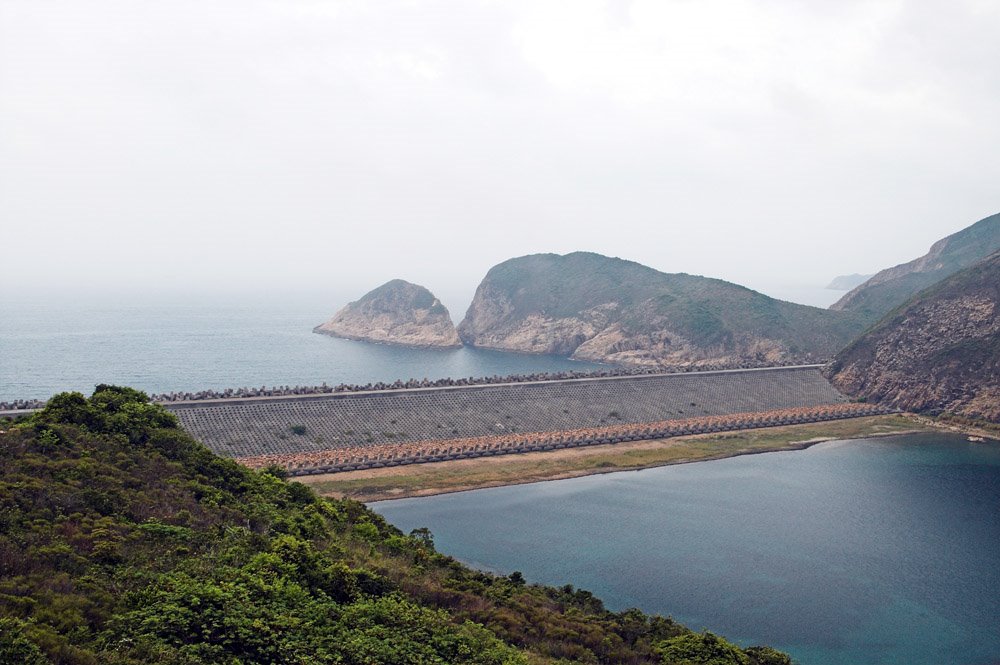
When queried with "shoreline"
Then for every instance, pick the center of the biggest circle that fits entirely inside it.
(800, 445)
(448, 477)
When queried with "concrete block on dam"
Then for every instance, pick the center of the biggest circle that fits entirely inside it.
(250, 427)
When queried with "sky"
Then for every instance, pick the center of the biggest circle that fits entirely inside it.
(282, 147)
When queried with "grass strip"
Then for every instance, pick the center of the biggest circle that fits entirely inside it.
(459, 475)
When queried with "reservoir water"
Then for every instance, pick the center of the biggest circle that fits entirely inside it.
(881, 551)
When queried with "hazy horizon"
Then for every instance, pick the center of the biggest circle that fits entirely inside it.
(275, 149)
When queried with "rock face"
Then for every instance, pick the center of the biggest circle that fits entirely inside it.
(593, 307)
(940, 352)
(894, 286)
(397, 312)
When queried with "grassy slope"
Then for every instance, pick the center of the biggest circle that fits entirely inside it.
(123, 541)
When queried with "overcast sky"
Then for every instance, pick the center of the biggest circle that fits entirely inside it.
(294, 146)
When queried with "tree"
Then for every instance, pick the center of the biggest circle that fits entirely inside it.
(424, 535)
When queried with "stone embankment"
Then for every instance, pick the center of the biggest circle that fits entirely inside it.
(416, 452)
(313, 423)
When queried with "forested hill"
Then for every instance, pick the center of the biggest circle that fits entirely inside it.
(123, 541)
(595, 307)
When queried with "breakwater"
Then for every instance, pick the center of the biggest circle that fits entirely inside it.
(378, 422)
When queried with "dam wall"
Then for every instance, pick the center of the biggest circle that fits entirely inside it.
(302, 425)
(418, 452)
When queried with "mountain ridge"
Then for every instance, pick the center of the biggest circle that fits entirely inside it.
(893, 286)
(937, 352)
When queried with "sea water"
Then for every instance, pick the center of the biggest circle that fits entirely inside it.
(848, 553)
(47, 347)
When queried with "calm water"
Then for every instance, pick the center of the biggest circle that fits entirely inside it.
(853, 553)
(54, 343)
(46, 348)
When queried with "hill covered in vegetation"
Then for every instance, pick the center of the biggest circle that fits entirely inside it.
(892, 287)
(397, 312)
(124, 541)
(594, 307)
(939, 352)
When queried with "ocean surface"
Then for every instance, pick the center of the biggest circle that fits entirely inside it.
(48, 347)
(880, 551)
(162, 343)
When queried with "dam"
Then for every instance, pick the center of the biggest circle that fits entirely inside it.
(339, 431)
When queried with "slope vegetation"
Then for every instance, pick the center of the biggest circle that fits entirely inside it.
(939, 352)
(593, 307)
(894, 286)
(124, 541)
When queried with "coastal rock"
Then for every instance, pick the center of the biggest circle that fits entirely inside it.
(893, 286)
(939, 352)
(397, 312)
(592, 307)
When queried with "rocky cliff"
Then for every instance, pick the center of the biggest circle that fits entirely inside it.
(894, 286)
(593, 307)
(939, 352)
(397, 312)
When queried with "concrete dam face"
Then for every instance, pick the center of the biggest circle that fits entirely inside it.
(305, 425)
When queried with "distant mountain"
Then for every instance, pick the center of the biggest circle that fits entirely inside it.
(894, 286)
(847, 282)
(593, 307)
(938, 352)
(397, 312)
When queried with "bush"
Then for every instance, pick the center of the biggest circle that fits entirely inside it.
(701, 649)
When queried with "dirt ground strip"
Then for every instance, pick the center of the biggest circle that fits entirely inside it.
(464, 474)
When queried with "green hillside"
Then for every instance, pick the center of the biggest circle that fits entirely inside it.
(687, 317)
(123, 540)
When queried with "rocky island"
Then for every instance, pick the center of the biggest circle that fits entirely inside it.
(593, 307)
(938, 353)
(397, 312)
